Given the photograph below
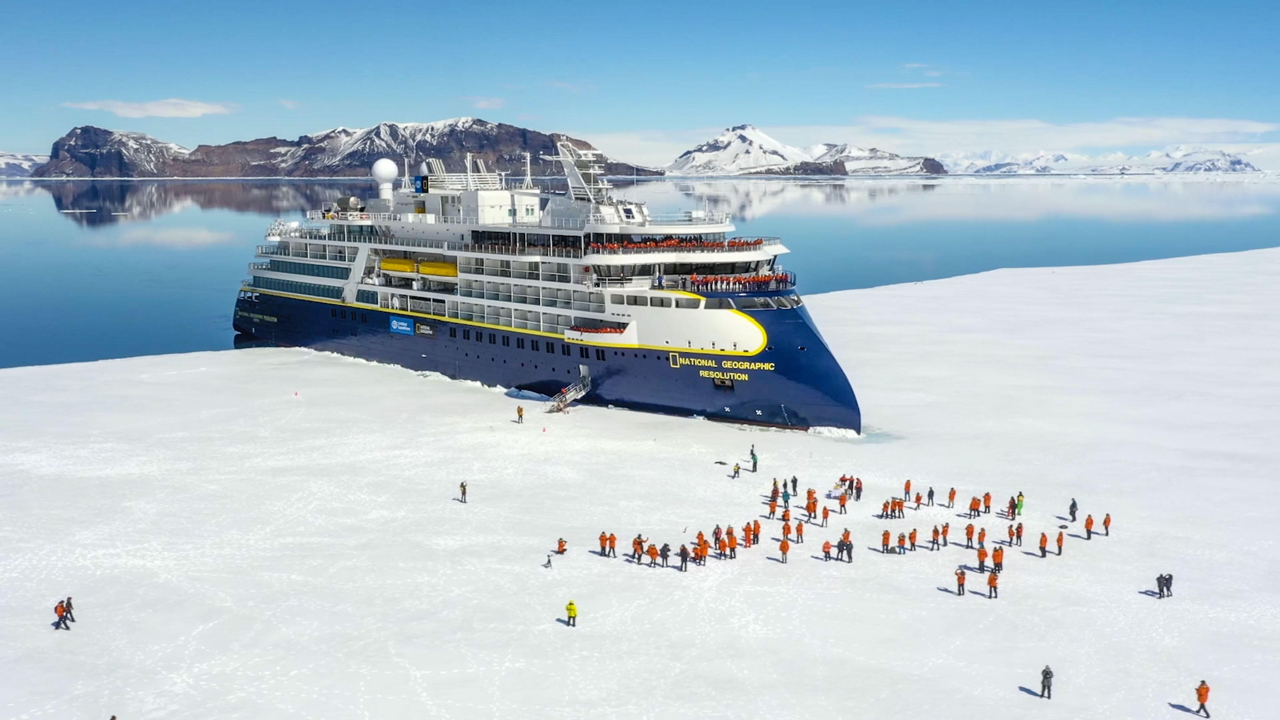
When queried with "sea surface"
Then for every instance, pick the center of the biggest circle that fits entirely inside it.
(107, 269)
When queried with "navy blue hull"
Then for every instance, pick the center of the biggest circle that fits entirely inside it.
(795, 382)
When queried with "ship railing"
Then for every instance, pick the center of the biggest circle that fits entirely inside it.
(757, 282)
(689, 218)
(260, 266)
(272, 250)
(738, 244)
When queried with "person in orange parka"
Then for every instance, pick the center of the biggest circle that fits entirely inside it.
(968, 536)
(755, 532)
(786, 515)
(982, 559)
(1088, 528)
(560, 546)
(604, 544)
(917, 501)
(733, 546)
(902, 543)
(960, 581)
(1010, 534)
(783, 547)
(997, 559)
(826, 550)
(1044, 544)
(786, 531)
(773, 508)
(933, 544)
(844, 499)
(1202, 697)
(653, 555)
(613, 545)
(951, 498)
(799, 532)
(1059, 542)
(906, 490)
(722, 547)
(992, 581)
(884, 541)
(982, 538)
(986, 503)
(946, 530)
(1106, 525)
(912, 538)
(826, 512)
(884, 510)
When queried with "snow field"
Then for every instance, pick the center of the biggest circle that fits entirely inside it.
(236, 550)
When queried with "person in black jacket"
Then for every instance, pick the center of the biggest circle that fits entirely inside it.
(684, 559)
(1168, 584)
(1046, 683)
(1073, 509)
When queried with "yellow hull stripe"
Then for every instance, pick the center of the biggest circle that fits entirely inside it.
(668, 349)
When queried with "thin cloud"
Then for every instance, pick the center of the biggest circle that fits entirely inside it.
(290, 104)
(487, 103)
(901, 86)
(171, 108)
(567, 87)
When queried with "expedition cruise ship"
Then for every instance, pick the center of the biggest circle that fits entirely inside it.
(575, 295)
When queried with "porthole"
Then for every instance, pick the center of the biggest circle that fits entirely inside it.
(769, 347)
(801, 348)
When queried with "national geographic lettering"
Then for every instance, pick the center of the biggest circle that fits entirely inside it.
(678, 360)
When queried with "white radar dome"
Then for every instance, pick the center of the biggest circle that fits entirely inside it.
(385, 171)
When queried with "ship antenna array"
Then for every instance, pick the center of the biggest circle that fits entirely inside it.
(583, 172)
(528, 172)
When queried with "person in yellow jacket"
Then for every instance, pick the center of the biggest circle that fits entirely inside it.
(572, 610)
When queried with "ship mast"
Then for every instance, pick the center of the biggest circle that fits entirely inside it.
(584, 172)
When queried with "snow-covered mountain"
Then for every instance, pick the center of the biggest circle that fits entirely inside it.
(95, 152)
(746, 150)
(17, 165)
(740, 149)
(1178, 159)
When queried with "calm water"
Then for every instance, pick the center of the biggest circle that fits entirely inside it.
(156, 266)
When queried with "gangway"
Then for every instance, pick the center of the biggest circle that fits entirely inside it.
(579, 388)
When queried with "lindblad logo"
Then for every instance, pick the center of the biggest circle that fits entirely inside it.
(401, 326)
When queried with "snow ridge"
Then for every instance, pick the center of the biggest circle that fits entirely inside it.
(1178, 159)
(17, 165)
(745, 149)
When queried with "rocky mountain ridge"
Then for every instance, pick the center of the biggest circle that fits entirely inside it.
(1178, 159)
(341, 152)
(18, 165)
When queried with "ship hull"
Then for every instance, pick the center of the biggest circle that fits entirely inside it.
(794, 383)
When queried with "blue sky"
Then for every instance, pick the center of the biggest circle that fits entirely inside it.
(644, 80)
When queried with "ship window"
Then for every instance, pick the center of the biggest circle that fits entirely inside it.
(754, 303)
(519, 343)
(599, 354)
(635, 300)
(565, 350)
(796, 301)
(364, 318)
(783, 303)
(506, 341)
(493, 339)
(718, 304)
(584, 353)
(618, 299)
(333, 312)
(687, 303)
(533, 345)
(344, 314)
(551, 347)
(453, 332)
(466, 334)
(659, 302)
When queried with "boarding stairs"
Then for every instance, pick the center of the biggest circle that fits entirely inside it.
(579, 388)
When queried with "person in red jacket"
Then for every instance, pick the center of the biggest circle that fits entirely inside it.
(1202, 696)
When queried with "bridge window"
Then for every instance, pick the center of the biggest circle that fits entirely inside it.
(660, 302)
(687, 303)
(617, 299)
(635, 300)
(718, 304)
